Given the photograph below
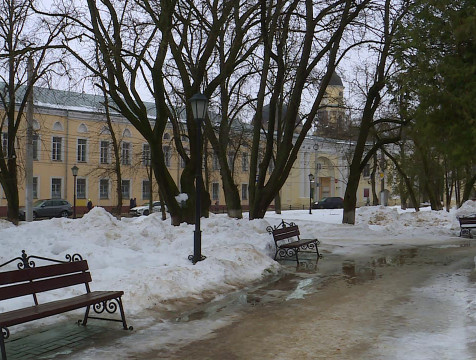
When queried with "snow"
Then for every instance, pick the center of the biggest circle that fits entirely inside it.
(147, 257)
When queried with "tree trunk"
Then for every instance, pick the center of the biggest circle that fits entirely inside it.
(468, 187)
(10, 187)
(350, 196)
(232, 198)
(373, 182)
(277, 204)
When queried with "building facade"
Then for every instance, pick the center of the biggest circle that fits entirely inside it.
(70, 129)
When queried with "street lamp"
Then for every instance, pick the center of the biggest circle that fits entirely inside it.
(199, 104)
(74, 169)
(311, 180)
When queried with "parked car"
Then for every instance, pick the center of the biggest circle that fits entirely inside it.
(144, 209)
(49, 208)
(329, 203)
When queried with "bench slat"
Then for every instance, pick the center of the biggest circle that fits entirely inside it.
(285, 233)
(21, 316)
(17, 290)
(14, 276)
(299, 243)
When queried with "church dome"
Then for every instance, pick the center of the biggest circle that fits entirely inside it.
(335, 80)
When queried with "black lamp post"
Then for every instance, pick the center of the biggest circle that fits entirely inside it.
(311, 180)
(199, 103)
(74, 169)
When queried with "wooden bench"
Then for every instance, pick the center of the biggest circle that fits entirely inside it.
(31, 280)
(466, 223)
(288, 242)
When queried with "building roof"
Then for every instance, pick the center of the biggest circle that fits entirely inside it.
(335, 80)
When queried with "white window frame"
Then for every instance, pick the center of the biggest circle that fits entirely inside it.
(108, 188)
(61, 150)
(146, 154)
(36, 146)
(85, 150)
(61, 187)
(5, 143)
(108, 152)
(244, 194)
(85, 187)
(124, 195)
(144, 183)
(245, 163)
(215, 162)
(215, 191)
(126, 153)
(167, 155)
(37, 187)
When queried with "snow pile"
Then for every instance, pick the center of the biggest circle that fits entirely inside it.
(467, 209)
(148, 258)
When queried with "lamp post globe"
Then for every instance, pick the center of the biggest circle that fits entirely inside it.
(199, 105)
(74, 170)
(311, 180)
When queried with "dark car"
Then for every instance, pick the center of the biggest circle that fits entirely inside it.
(329, 203)
(49, 208)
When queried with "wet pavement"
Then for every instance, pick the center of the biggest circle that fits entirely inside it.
(344, 307)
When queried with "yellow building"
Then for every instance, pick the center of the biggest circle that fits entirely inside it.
(70, 129)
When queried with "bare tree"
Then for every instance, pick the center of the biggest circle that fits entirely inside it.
(23, 36)
(318, 29)
(389, 16)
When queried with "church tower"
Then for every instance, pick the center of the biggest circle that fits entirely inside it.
(331, 116)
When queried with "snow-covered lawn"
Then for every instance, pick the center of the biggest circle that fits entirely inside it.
(148, 258)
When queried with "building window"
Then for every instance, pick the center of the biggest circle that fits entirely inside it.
(82, 128)
(244, 191)
(126, 189)
(5, 144)
(104, 152)
(82, 143)
(57, 148)
(56, 188)
(215, 191)
(166, 150)
(146, 154)
(230, 159)
(104, 189)
(216, 163)
(35, 187)
(36, 147)
(126, 153)
(81, 188)
(366, 193)
(271, 166)
(145, 190)
(57, 126)
(366, 171)
(244, 162)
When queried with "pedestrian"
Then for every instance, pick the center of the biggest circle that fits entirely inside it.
(131, 204)
(90, 205)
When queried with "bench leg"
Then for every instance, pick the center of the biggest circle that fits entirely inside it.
(123, 316)
(4, 334)
(86, 315)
